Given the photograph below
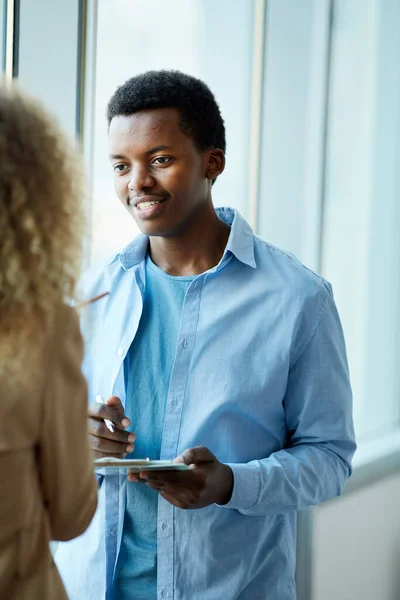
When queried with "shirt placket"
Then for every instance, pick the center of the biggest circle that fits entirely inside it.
(170, 440)
(115, 500)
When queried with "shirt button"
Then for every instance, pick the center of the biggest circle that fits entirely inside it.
(120, 351)
(112, 532)
(164, 593)
(99, 399)
(184, 343)
(164, 525)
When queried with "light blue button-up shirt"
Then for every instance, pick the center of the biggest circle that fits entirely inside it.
(260, 377)
(148, 368)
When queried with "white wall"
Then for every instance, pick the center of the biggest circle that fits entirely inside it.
(356, 545)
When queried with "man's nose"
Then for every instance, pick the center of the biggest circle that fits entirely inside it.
(140, 178)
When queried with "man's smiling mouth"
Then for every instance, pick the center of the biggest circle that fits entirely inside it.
(146, 205)
(147, 202)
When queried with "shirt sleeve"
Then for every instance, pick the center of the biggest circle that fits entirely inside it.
(65, 460)
(318, 406)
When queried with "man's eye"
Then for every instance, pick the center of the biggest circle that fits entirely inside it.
(119, 168)
(161, 160)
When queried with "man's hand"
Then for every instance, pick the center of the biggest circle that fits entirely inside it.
(102, 441)
(207, 482)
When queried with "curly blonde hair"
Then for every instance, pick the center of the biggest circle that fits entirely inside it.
(41, 218)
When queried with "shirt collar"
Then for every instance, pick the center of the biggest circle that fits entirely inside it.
(241, 238)
(240, 241)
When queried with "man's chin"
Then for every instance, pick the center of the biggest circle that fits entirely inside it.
(152, 228)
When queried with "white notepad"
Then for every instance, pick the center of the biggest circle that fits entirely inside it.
(139, 464)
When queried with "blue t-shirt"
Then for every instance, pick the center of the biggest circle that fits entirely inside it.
(148, 368)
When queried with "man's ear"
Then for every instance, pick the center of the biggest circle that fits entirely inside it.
(215, 163)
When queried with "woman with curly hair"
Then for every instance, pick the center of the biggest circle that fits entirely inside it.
(47, 486)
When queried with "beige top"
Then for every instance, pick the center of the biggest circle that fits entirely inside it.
(47, 487)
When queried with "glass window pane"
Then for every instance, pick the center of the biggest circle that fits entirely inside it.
(361, 252)
(2, 35)
(48, 69)
(208, 39)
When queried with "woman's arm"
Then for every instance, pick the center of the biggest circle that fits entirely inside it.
(65, 461)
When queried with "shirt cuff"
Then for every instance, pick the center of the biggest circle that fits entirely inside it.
(246, 485)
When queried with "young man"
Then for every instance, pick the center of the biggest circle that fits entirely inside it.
(214, 348)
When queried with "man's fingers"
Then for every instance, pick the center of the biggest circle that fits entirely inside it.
(116, 404)
(108, 447)
(103, 455)
(196, 455)
(178, 496)
(134, 477)
(112, 413)
(168, 480)
(164, 476)
(157, 486)
(100, 429)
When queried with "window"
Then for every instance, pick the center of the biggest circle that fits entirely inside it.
(361, 225)
(330, 176)
(49, 56)
(208, 39)
(3, 23)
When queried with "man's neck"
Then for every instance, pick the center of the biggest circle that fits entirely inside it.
(194, 251)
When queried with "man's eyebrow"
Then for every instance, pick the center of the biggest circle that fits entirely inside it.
(151, 151)
(158, 149)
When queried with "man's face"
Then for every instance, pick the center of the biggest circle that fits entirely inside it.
(159, 174)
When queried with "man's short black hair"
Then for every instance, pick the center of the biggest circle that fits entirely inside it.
(200, 115)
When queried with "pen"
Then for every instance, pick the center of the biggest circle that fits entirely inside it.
(87, 302)
(109, 424)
